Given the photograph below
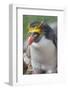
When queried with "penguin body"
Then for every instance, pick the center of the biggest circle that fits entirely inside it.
(43, 48)
(43, 55)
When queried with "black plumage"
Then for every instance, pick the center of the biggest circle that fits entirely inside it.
(49, 33)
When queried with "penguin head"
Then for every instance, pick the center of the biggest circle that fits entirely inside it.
(35, 31)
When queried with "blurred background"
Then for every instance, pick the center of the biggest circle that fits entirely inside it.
(29, 18)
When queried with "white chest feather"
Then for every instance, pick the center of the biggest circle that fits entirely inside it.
(43, 54)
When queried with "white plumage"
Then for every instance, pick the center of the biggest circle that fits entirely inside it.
(43, 55)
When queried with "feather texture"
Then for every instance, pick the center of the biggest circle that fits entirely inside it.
(43, 55)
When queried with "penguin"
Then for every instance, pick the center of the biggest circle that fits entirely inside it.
(43, 48)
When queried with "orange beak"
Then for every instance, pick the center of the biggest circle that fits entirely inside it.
(30, 40)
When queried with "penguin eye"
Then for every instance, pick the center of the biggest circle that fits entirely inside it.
(34, 33)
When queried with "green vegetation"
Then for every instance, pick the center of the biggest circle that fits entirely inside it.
(28, 18)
